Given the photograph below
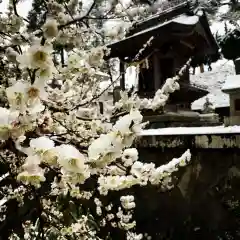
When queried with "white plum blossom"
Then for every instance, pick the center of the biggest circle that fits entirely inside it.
(41, 144)
(130, 123)
(95, 57)
(105, 149)
(163, 171)
(159, 100)
(75, 176)
(38, 57)
(32, 174)
(50, 28)
(170, 85)
(142, 171)
(24, 96)
(128, 126)
(16, 94)
(115, 183)
(129, 156)
(134, 236)
(54, 126)
(127, 202)
(86, 112)
(7, 119)
(70, 158)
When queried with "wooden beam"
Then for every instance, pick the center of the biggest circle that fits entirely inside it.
(156, 72)
(122, 73)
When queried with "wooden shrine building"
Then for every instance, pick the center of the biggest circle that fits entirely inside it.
(177, 34)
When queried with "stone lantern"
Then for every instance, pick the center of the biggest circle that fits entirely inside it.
(232, 87)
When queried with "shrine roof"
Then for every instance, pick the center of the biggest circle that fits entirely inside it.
(164, 16)
(188, 93)
(180, 22)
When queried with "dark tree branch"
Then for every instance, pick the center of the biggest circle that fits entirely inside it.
(15, 10)
(15, 7)
(79, 19)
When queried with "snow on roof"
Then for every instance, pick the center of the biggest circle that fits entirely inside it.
(190, 131)
(213, 82)
(232, 82)
(131, 76)
(214, 79)
(217, 98)
(186, 20)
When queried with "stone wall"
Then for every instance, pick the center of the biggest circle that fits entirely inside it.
(204, 204)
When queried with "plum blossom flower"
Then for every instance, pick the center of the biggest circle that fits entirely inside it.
(105, 149)
(24, 96)
(16, 95)
(129, 123)
(95, 57)
(70, 158)
(7, 119)
(50, 28)
(41, 144)
(127, 202)
(129, 156)
(43, 147)
(32, 174)
(166, 170)
(128, 126)
(75, 177)
(115, 183)
(134, 236)
(159, 100)
(142, 171)
(38, 57)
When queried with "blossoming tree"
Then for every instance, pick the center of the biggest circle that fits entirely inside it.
(65, 157)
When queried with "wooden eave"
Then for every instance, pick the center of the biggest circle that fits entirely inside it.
(164, 16)
(187, 93)
(231, 91)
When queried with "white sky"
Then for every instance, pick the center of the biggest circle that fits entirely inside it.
(23, 7)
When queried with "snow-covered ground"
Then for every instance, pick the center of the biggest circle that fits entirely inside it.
(213, 82)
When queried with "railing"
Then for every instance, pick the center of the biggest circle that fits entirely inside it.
(3, 200)
(165, 5)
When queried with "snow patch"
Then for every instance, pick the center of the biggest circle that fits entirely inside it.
(131, 77)
(232, 82)
(223, 10)
(217, 98)
(186, 20)
(190, 131)
(213, 82)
